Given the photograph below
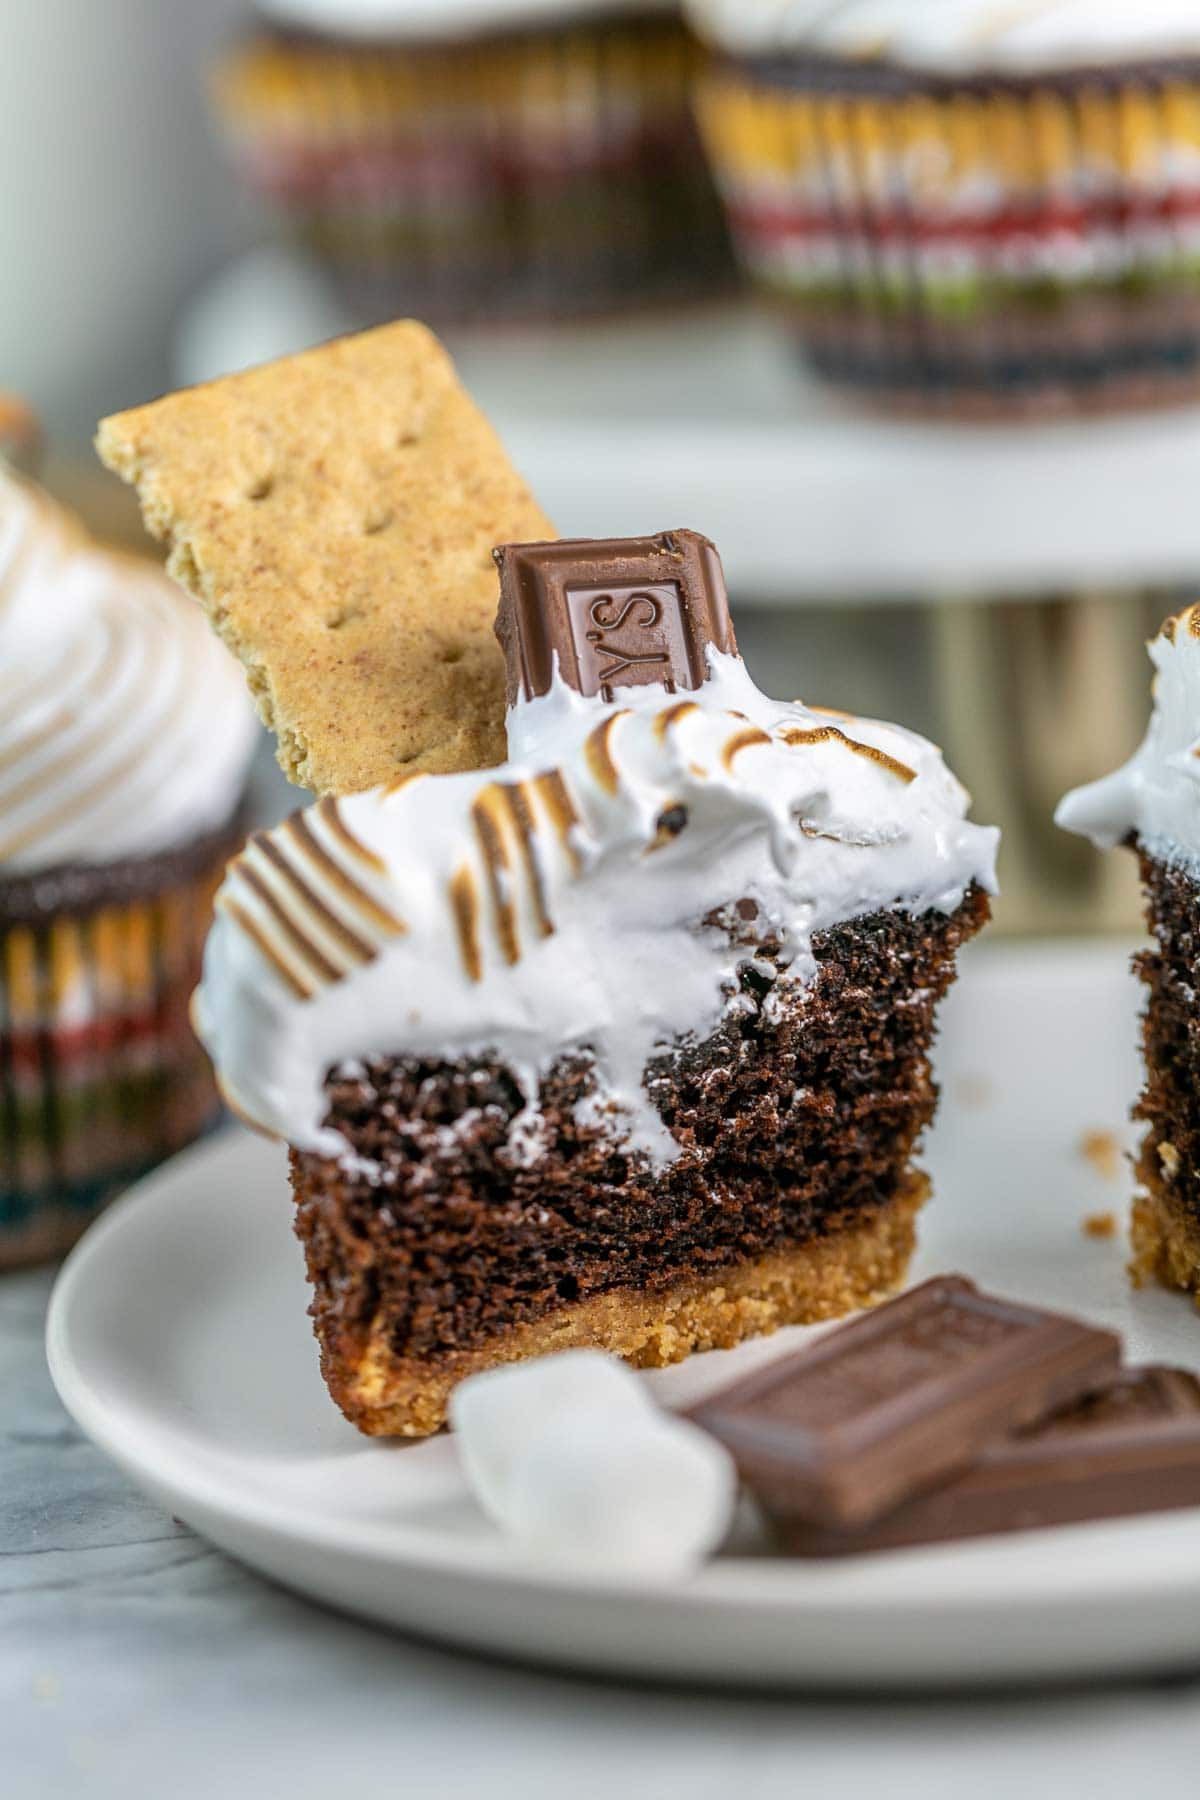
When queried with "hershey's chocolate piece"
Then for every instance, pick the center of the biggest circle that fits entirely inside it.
(1131, 1447)
(901, 1399)
(620, 612)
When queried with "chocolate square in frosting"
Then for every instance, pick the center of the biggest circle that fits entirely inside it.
(617, 612)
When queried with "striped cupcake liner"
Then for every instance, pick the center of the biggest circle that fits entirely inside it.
(545, 173)
(1003, 245)
(100, 1074)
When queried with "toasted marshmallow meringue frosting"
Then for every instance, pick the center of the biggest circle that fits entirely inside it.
(956, 36)
(1155, 796)
(566, 900)
(125, 727)
(436, 20)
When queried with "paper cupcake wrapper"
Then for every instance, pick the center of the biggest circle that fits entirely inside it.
(100, 1074)
(1001, 236)
(542, 172)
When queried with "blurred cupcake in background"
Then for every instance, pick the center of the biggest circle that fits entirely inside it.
(969, 206)
(125, 738)
(481, 159)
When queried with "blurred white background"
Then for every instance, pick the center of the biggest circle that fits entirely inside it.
(115, 198)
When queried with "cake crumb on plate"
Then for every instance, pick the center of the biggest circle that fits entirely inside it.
(1103, 1151)
(973, 1090)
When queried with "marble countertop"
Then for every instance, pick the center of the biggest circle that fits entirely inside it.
(135, 1661)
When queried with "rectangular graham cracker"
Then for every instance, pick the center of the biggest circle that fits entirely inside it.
(335, 513)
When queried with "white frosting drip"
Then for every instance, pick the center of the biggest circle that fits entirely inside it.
(589, 922)
(435, 20)
(125, 728)
(1156, 794)
(957, 36)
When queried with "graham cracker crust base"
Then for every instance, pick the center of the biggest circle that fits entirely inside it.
(1165, 1244)
(390, 1396)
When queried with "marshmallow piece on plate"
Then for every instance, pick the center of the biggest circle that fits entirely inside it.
(569, 1456)
(495, 1415)
(642, 1495)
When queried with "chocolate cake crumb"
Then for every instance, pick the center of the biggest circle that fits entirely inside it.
(1102, 1150)
(974, 1091)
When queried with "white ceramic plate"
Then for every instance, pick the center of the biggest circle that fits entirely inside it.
(178, 1339)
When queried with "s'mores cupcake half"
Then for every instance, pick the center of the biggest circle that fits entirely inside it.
(623, 1042)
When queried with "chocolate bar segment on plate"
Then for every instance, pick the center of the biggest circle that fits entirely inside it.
(1131, 1447)
(895, 1402)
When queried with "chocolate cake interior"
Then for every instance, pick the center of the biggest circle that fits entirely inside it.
(797, 1117)
(1166, 1217)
